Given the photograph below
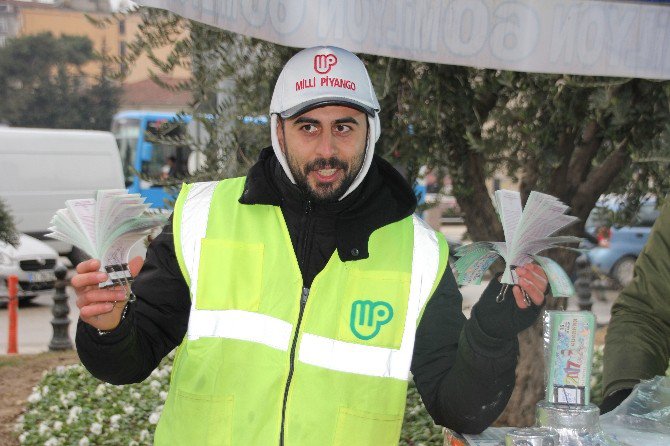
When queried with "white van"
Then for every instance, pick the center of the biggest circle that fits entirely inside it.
(41, 168)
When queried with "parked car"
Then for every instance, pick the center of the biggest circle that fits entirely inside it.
(615, 249)
(33, 262)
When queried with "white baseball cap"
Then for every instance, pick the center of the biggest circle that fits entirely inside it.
(321, 76)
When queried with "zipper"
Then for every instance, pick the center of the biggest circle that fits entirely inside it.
(303, 302)
(307, 224)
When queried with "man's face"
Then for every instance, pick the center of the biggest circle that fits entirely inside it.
(325, 148)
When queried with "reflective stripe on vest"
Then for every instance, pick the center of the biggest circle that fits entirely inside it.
(193, 226)
(316, 350)
(238, 324)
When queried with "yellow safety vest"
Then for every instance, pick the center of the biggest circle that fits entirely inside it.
(264, 359)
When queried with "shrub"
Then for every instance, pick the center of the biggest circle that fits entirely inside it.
(7, 229)
(418, 428)
(71, 407)
(597, 375)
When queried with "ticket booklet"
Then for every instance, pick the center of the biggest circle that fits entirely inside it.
(528, 231)
(568, 346)
(106, 228)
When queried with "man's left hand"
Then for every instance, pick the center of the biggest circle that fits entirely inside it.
(533, 281)
(505, 318)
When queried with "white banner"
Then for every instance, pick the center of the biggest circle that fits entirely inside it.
(602, 38)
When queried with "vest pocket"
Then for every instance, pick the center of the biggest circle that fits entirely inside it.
(209, 419)
(360, 428)
(229, 275)
(374, 307)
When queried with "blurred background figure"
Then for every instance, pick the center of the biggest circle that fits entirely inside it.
(168, 170)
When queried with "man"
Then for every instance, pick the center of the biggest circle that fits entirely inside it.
(301, 294)
(637, 345)
(169, 169)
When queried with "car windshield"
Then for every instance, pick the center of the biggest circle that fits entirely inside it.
(609, 214)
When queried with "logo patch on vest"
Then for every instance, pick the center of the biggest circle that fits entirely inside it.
(367, 318)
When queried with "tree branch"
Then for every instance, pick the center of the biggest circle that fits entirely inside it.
(599, 179)
(531, 173)
(583, 155)
(558, 184)
(473, 197)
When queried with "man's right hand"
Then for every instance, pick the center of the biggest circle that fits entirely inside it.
(100, 307)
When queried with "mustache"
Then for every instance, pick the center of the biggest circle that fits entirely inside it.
(323, 163)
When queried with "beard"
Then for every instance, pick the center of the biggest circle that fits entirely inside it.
(324, 192)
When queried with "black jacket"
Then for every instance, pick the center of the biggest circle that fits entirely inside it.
(465, 377)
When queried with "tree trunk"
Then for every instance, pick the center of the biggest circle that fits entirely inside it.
(473, 198)
(529, 386)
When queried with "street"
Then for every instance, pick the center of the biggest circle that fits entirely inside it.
(34, 324)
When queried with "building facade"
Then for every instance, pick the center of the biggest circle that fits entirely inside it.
(22, 18)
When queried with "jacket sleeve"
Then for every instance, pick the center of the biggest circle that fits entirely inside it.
(637, 345)
(464, 377)
(154, 325)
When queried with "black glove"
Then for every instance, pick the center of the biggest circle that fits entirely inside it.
(502, 320)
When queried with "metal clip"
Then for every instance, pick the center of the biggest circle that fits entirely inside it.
(500, 298)
(120, 275)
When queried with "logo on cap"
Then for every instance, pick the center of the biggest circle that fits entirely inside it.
(324, 62)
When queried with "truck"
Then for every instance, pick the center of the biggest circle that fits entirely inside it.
(41, 168)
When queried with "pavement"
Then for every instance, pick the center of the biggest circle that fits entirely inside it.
(34, 324)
